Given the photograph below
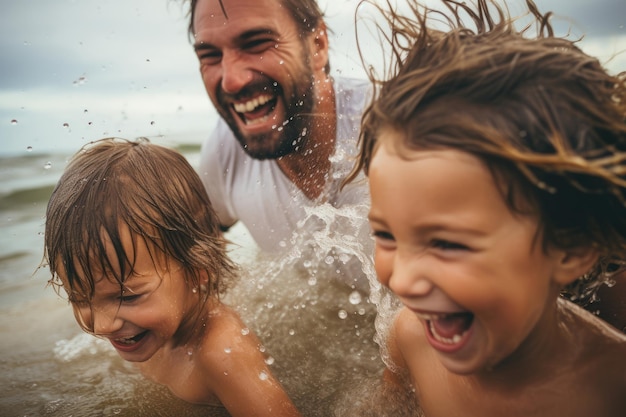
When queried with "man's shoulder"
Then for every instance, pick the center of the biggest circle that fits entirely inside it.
(221, 136)
(352, 86)
(221, 147)
(352, 95)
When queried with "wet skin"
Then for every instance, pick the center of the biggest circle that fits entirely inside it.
(448, 246)
(258, 71)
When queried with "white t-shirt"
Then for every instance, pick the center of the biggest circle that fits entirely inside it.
(257, 193)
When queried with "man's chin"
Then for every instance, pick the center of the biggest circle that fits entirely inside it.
(262, 147)
(264, 154)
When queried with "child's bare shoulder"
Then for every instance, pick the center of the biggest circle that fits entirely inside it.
(228, 347)
(226, 333)
(601, 354)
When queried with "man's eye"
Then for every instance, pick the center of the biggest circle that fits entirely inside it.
(258, 45)
(209, 57)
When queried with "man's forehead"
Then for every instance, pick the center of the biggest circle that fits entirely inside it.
(211, 14)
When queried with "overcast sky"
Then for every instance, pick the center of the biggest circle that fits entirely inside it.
(78, 70)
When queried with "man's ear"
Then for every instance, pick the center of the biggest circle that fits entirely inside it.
(319, 47)
(573, 263)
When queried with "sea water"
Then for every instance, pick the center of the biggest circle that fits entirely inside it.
(321, 329)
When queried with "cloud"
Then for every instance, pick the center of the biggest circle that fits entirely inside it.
(129, 63)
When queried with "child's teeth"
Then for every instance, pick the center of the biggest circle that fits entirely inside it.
(450, 341)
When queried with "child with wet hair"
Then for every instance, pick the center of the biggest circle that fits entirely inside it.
(132, 239)
(497, 169)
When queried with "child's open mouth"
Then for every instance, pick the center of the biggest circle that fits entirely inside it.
(448, 332)
(128, 343)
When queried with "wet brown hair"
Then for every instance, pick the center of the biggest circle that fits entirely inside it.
(547, 119)
(153, 192)
(305, 13)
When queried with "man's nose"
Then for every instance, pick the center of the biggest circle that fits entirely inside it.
(235, 72)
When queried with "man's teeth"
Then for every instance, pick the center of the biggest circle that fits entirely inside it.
(450, 341)
(250, 105)
(251, 122)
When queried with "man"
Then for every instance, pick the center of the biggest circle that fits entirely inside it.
(288, 131)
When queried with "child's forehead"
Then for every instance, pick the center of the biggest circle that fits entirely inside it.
(118, 256)
(135, 247)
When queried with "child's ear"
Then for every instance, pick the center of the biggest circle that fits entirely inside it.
(204, 277)
(573, 263)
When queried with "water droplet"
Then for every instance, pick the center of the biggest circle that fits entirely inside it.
(329, 259)
(29, 149)
(354, 298)
(14, 121)
(47, 165)
(66, 125)
(189, 352)
(312, 281)
(245, 331)
(227, 350)
(263, 376)
(307, 264)
(269, 360)
(292, 332)
(343, 314)
(152, 123)
(194, 290)
(261, 348)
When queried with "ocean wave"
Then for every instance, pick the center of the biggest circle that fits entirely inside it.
(28, 196)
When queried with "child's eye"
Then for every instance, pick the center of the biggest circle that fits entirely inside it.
(447, 245)
(78, 303)
(384, 239)
(129, 298)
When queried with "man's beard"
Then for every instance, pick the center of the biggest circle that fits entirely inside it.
(289, 135)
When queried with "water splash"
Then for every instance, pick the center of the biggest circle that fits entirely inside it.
(80, 345)
(314, 306)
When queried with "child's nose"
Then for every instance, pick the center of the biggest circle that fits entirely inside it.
(106, 321)
(408, 277)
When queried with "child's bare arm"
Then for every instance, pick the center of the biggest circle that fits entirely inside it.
(239, 375)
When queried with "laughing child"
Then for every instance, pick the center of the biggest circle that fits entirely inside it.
(133, 241)
(497, 170)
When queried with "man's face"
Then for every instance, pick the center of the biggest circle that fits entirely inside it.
(257, 69)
